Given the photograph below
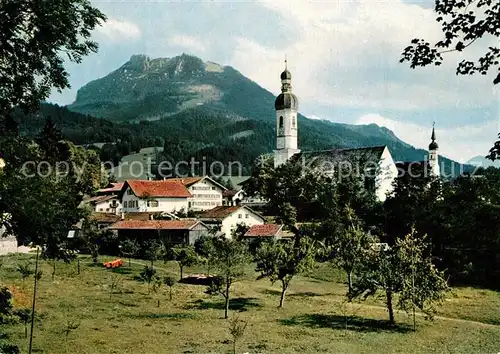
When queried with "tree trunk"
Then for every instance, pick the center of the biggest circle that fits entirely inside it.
(35, 283)
(53, 269)
(158, 304)
(25, 329)
(388, 294)
(234, 346)
(181, 268)
(170, 293)
(226, 309)
(349, 285)
(129, 262)
(78, 265)
(284, 287)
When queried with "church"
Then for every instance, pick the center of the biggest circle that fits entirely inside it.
(377, 160)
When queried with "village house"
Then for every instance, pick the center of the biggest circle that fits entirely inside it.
(267, 231)
(105, 204)
(154, 196)
(112, 188)
(171, 232)
(206, 193)
(227, 218)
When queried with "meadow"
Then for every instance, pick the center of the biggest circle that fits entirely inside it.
(113, 313)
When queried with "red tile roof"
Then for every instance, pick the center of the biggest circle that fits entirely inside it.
(186, 224)
(105, 217)
(220, 212)
(160, 189)
(266, 230)
(115, 188)
(187, 181)
(99, 199)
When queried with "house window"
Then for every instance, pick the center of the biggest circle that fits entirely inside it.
(213, 188)
(240, 216)
(246, 216)
(153, 203)
(125, 204)
(281, 122)
(129, 191)
(293, 122)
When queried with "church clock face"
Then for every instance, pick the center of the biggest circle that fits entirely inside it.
(280, 144)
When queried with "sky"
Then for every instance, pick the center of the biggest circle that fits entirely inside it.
(343, 56)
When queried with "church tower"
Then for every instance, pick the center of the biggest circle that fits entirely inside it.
(433, 155)
(286, 106)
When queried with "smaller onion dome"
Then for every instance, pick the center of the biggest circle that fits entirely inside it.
(286, 100)
(433, 145)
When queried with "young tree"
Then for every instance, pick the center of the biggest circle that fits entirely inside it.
(406, 270)
(129, 248)
(204, 247)
(185, 256)
(170, 282)
(237, 329)
(229, 259)
(153, 250)
(348, 251)
(24, 316)
(25, 270)
(148, 275)
(282, 260)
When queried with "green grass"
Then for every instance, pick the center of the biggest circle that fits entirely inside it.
(129, 321)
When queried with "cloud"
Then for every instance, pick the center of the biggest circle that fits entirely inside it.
(347, 54)
(190, 43)
(117, 30)
(459, 143)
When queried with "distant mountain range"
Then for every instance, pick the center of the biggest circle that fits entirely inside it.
(483, 162)
(213, 110)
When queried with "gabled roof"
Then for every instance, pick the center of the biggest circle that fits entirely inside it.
(229, 193)
(222, 212)
(100, 198)
(189, 181)
(185, 224)
(266, 230)
(111, 188)
(159, 189)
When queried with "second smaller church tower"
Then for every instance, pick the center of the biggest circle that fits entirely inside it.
(433, 155)
(286, 106)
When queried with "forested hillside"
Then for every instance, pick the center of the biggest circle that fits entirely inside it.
(212, 132)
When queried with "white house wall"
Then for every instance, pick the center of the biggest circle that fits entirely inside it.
(169, 205)
(105, 206)
(241, 216)
(206, 195)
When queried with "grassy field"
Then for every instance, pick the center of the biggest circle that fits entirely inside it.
(128, 320)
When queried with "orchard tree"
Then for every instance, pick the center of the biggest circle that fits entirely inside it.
(37, 37)
(129, 249)
(463, 22)
(283, 260)
(229, 259)
(348, 251)
(185, 256)
(204, 247)
(406, 270)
